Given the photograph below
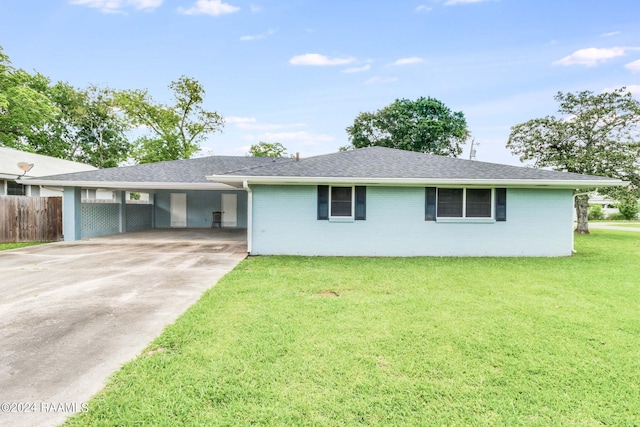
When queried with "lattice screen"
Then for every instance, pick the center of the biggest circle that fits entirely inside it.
(99, 219)
(138, 217)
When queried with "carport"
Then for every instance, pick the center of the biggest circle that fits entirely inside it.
(182, 208)
(71, 313)
(179, 196)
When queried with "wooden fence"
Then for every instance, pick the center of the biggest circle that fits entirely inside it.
(30, 219)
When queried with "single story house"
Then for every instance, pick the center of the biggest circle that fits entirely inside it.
(367, 202)
(16, 165)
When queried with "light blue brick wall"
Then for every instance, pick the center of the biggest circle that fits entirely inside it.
(200, 205)
(539, 223)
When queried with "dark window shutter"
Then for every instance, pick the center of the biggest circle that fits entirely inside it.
(501, 204)
(361, 203)
(430, 204)
(323, 202)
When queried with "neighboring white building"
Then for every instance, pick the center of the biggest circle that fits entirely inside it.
(37, 165)
(606, 202)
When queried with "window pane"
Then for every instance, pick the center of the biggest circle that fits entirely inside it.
(341, 201)
(450, 202)
(478, 203)
(15, 189)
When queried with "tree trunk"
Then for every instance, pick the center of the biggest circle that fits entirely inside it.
(582, 213)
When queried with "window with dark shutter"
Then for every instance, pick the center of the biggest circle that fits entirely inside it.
(323, 202)
(430, 204)
(478, 203)
(361, 203)
(501, 204)
(450, 202)
(341, 201)
(472, 203)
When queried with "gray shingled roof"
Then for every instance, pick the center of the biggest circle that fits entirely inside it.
(366, 163)
(175, 171)
(381, 162)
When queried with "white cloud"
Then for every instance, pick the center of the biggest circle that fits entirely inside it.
(634, 89)
(408, 61)
(316, 59)
(250, 123)
(115, 6)
(381, 80)
(239, 120)
(255, 8)
(591, 57)
(357, 69)
(612, 33)
(424, 8)
(300, 137)
(209, 7)
(633, 66)
(254, 37)
(455, 2)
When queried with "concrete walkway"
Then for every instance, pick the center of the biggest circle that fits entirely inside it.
(71, 313)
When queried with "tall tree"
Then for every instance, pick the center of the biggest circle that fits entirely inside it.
(425, 125)
(596, 134)
(174, 132)
(266, 149)
(59, 120)
(25, 108)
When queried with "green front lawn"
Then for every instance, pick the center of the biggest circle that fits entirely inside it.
(390, 341)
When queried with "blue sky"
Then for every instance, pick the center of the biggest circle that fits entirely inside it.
(298, 72)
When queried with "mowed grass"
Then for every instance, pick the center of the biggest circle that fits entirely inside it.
(632, 225)
(7, 246)
(302, 341)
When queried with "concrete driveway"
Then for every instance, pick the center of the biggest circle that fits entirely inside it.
(71, 313)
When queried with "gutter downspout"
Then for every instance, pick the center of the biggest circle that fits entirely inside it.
(245, 185)
(573, 233)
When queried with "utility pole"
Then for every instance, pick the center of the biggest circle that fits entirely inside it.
(472, 152)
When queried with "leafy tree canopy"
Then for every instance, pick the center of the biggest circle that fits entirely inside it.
(595, 134)
(173, 131)
(266, 149)
(25, 108)
(425, 125)
(59, 120)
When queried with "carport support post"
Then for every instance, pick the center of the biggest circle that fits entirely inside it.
(152, 202)
(71, 213)
(121, 198)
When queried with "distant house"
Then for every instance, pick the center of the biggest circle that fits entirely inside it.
(367, 202)
(12, 177)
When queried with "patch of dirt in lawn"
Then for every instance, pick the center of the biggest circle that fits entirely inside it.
(328, 294)
(155, 350)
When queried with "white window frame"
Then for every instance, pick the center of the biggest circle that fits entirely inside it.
(353, 203)
(464, 204)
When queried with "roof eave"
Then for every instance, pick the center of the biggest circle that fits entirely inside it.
(132, 185)
(289, 180)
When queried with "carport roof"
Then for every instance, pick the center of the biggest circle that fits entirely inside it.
(187, 173)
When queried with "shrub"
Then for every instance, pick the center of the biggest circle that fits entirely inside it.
(629, 207)
(617, 216)
(595, 213)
